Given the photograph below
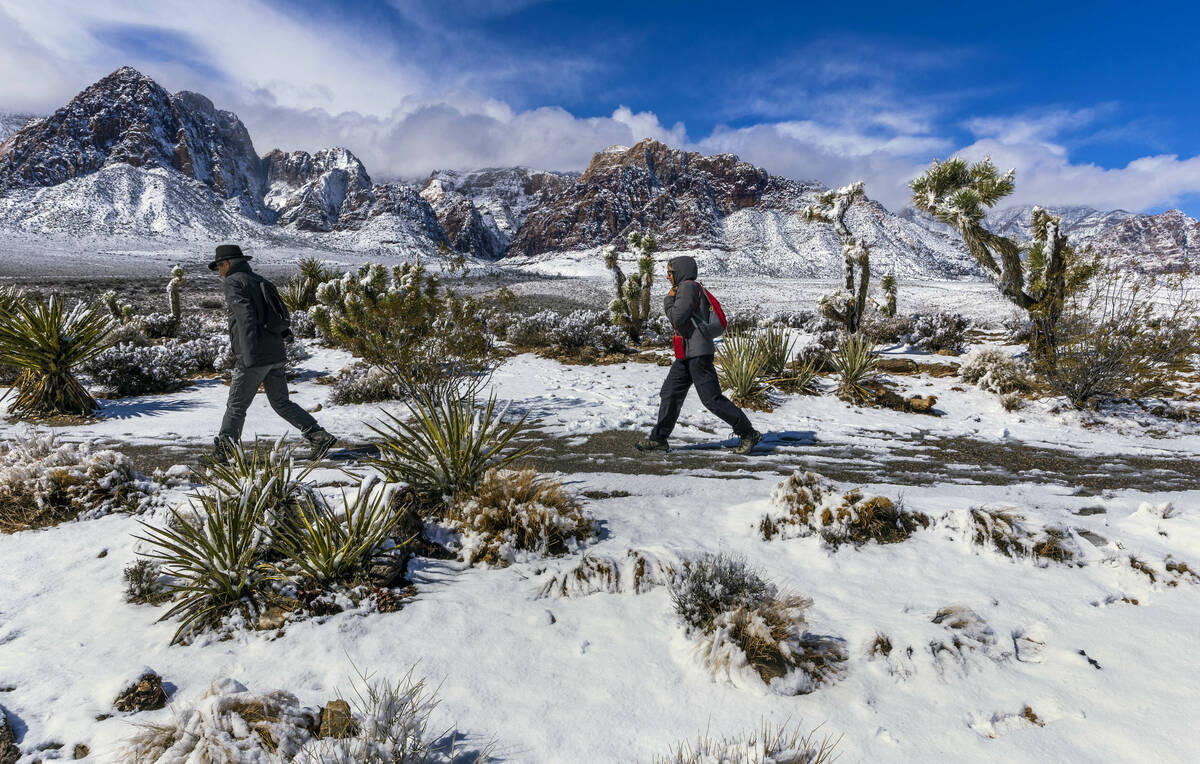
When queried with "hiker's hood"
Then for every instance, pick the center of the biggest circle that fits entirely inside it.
(683, 268)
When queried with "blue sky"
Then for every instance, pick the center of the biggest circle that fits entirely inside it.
(1092, 103)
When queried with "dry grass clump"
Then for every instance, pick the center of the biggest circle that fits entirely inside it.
(747, 628)
(144, 585)
(785, 744)
(44, 483)
(637, 572)
(1012, 535)
(811, 505)
(1181, 571)
(514, 514)
(967, 632)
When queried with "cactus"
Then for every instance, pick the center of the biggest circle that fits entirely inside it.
(120, 311)
(173, 288)
(888, 283)
(630, 309)
(845, 306)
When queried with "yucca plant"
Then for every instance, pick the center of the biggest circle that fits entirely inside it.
(741, 364)
(331, 545)
(854, 363)
(775, 344)
(295, 295)
(212, 559)
(800, 377)
(448, 444)
(48, 342)
(270, 473)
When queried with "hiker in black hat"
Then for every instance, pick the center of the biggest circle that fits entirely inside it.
(258, 329)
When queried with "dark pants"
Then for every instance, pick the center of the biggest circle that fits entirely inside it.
(241, 394)
(698, 371)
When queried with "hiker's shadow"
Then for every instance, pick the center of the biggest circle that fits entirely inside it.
(136, 408)
(770, 443)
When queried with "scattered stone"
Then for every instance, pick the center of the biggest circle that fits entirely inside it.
(102, 555)
(939, 369)
(897, 365)
(81, 751)
(9, 753)
(337, 721)
(946, 351)
(146, 694)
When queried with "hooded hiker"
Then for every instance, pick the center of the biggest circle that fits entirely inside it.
(690, 311)
(258, 329)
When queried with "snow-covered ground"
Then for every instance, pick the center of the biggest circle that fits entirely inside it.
(611, 676)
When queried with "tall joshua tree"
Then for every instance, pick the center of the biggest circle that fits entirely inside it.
(888, 285)
(845, 306)
(631, 307)
(959, 194)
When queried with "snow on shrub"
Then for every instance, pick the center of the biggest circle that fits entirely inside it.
(362, 383)
(882, 329)
(514, 515)
(1013, 535)
(995, 371)
(44, 483)
(568, 332)
(303, 324)
(748, 631)
(637, 572)
(770, 745)
(128, 369)
(967, 633)
(810, 505)
(939, 331)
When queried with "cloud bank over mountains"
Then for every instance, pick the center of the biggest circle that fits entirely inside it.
(426, 90)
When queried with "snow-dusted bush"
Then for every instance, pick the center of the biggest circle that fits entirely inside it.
(131, 370)
(513, 515)
(939, 331)
(747, 630)
(636, 572)
(44, 483)
(144, 583)
(362, 383)
(157, 325)
(817, 351)
(1013, 535)
(569, 332)
(810, 505)
(297, 352)
(785, 744)
(201, 325)
(882, 328)
(228, 724)
(995, 371)
(127, 333)
(303, 325)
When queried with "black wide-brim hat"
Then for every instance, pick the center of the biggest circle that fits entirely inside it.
(227, 252)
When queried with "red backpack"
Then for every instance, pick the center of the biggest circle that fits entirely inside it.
(712, 328)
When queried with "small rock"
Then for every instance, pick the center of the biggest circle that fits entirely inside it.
(897, 365)
(9, 752)
(315, 408)
(81, 751)
(946, 351)
(272, 618)
(922, 405)
(102, 555)
(336, 720)
(146, 694)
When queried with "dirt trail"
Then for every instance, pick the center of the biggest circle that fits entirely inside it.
(898, 461)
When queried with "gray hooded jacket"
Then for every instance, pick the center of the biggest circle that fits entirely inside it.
(683, 302)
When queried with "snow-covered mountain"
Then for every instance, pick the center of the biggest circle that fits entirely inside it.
(11, 123)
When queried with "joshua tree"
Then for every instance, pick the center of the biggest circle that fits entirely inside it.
(173, 288)
(845, 306)
(888, 283)
(959, 194)
(631, 307)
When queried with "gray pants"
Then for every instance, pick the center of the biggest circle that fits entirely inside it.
(241, 394)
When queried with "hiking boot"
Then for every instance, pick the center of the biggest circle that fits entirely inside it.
(222, 450)
(650, 444)
(320, 441)
(746, 443)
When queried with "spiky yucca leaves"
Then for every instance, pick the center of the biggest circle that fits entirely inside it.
(48, 342)
(775, 344)
(270, 473)
(294, 296)
(854, 363)
(332, 544)
(448, 444)
(740, 363)
(212, 557)
(888, 284)
(785, 744)
(630, 309)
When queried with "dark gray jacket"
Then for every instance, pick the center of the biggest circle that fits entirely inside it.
(683, 303)
(252, 344)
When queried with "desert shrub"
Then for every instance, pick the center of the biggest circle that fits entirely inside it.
(882, 328)
(786, 744)
(819, 349)
(635, 572)
(746, 627)
(740, 365)
(331, 544)
(211, 555)
(144, 584)
(49, 343)
(515, 514)
(157, 326)
(127, 333)
(302, 324)
(812, 506)
(296, 351)
(203, 325)
(229, 724)
(567, 332)
(44, 483)
(939, 331)
(362, 383)
(126, 370)
(448, 445)
(854, 363)
(995, 371)
(1123, 335)
(1013, 535)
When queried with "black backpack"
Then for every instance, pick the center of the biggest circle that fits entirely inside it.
(276, 318)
